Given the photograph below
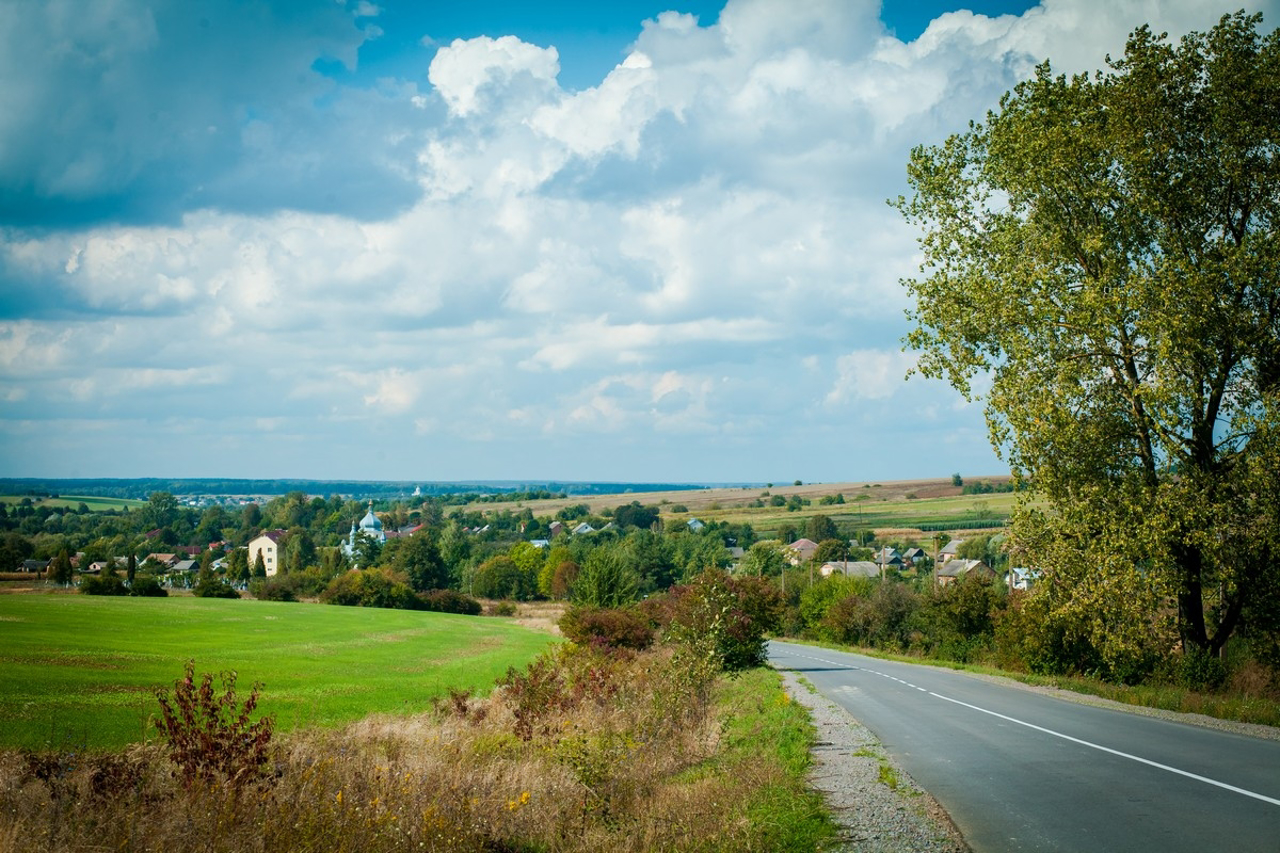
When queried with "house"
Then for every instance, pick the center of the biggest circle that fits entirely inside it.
(164, 561)
(186, 566)
(801, 551)
(267, 543)
(695, 525)
(850, 568)
(888, 557)
(949, 551)
(540, 544)
(914, 556)
(1022, 578)
(35, 565)
(555, 528)
(956, 569)
(583, 528)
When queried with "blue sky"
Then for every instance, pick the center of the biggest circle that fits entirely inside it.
(424, 241)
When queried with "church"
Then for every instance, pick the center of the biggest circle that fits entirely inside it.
(369, 527)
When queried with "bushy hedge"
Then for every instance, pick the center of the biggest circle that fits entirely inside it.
(103, 585)
(619, 627)
(449, 601)
(377, 587)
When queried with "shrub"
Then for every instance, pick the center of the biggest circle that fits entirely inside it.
(371, 588)
(726, 618)
(614, 628)
(273, 589)
(104, 585)
(211, 586)
(145, 586)
(502, 608)
(212, 738)
(450, 601)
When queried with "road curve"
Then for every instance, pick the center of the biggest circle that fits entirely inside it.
(1019, 770)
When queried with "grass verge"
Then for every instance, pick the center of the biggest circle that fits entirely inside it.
(582, 751)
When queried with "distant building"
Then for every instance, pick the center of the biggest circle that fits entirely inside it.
(801, 551)
(267, 543)
(850, 568)
(956, 569)
(369, 527)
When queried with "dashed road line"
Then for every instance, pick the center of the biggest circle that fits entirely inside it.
(1185, 773)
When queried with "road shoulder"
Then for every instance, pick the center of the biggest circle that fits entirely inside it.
(879, 807)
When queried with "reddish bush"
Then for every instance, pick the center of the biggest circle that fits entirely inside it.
(212, 738)
(614, 628)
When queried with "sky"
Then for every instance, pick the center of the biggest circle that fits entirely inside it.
(640, 241)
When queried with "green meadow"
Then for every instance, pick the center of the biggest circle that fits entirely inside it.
(81, 672)
(72, 502)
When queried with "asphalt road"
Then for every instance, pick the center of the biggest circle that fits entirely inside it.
(1021, 770)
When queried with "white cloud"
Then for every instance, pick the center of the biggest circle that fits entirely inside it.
(697, 246)
(869, 375)
(474, 74)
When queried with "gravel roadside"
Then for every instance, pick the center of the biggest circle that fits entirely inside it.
(878, 806)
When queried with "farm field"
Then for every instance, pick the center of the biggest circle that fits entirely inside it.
(80, 672)
(894, 505)
(72, 502)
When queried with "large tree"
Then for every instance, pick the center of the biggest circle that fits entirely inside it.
(1100, 252)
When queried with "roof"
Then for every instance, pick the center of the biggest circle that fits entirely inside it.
(851, 568)
(273, 535)
(960, 568)
(951, 547)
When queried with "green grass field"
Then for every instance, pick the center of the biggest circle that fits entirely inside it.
(82, 671)
(959, 511)
(72, 502)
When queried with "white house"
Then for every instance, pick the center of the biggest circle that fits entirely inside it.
(267, 543)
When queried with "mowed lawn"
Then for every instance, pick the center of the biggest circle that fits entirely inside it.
(81, 671)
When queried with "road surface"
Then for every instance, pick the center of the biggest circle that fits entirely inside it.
(1019, 770)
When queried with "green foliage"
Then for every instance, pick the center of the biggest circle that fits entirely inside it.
(146, 586)
(209, 585)
(1102, 246)
(278, 588)
(418, 557)
(635, 515)
(821, 527)
(721, 618)
(765, 558)
(830, 550)
(885, 619)
(449, 601)
(501, 577)
(106, 584)
(60, 569)
(376, 587)
(606, 580)
(213, 738)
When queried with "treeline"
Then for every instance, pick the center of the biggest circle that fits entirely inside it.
(139, 489)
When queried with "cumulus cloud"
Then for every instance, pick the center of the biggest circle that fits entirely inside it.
(687, 271)
(131, 110)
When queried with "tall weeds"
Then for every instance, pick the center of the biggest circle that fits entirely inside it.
(583, 751)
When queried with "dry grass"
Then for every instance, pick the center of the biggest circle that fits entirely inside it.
(600, 753)
(700, 500)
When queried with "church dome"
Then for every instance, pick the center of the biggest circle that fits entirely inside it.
(370, 521)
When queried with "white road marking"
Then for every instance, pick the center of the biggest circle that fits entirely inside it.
(1263, 797)
(1205, 779)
